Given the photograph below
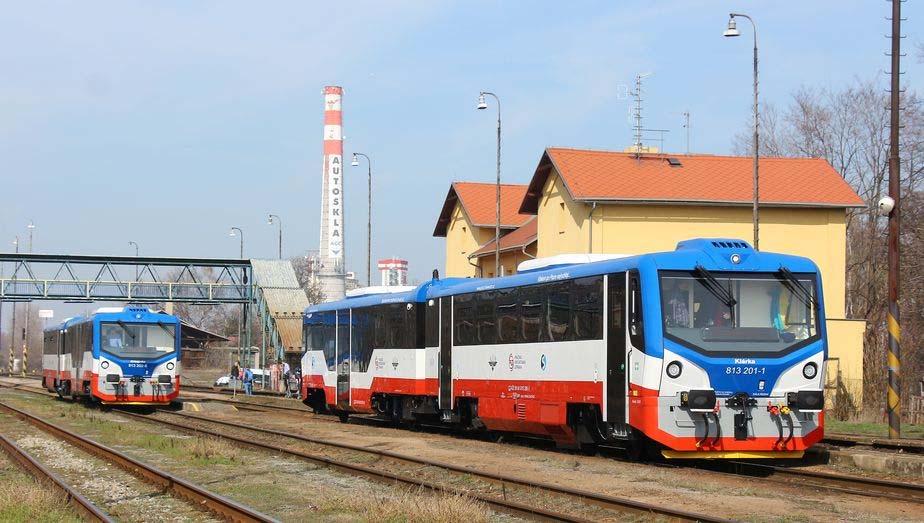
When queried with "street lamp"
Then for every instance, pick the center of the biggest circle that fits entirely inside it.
(278, 221)
(239, 233)
(15, 243)
(232, 234)
(27, 341)
(355, 163)
(483, 105)
(732, 31)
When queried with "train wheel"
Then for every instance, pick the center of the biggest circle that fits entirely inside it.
(638, 448)
(344, 417)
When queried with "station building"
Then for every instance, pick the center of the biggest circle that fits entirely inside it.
(592, 201)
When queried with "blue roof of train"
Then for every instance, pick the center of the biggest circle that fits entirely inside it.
(129, 313)
(714, 254)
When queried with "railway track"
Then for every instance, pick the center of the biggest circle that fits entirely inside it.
(502, 504)
(622, 505)
(44, 475)
(908, 446)
(857, 485)
(201, 498)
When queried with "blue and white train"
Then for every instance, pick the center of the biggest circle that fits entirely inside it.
(713, 350)
(115, 356)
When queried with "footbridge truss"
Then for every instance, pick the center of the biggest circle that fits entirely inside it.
(136, 279)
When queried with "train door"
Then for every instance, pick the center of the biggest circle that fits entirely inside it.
(616, 352)
(343, 359)
(445, 366)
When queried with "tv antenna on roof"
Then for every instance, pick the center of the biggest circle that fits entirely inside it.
(637, 94)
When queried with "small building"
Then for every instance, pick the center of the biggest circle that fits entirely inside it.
(468, 219)
(609, 202)
(516, 247)
(393, 271)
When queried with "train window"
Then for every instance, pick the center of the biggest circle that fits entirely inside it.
(396, 327)
(432, 320)
(464, 319)
(636, 320)
(408, 325)
(558, 312)
(379, 333)
(587, 296)
(530, 315)
(360, 351)
(484, 318)
(508, 321)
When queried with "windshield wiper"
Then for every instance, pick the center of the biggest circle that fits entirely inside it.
(125, 328)
(712, 285)
(795, 287)
(172, 333)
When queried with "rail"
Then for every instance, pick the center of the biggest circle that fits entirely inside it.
(202, 498)
(42, 474)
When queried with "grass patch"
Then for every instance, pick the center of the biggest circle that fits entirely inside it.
(23, 500)
(412, 506)
(872, 429)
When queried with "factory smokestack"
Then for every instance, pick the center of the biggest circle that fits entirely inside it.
(332, 271)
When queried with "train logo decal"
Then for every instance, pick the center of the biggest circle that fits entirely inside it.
(543, 362)
(394, 363)
(379, 363)
(510, 361)
(492, 362)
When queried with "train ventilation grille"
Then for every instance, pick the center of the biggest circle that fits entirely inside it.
(521, 411)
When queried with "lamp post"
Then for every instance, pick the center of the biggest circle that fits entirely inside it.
(232, 234)
(13, 318)
(732, 31)
(355, 163)
(483, 105)
(130, 243)
(277, 220)
(239, 233)
(27, 333)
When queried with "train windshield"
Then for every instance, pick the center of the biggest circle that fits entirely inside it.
(736, 313)
(137, 340)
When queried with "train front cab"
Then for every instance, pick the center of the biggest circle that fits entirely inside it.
(727, 358)
(127, 356)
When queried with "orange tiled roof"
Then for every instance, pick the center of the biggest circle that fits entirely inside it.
(479, 201)
(525, 235)
(620, 176)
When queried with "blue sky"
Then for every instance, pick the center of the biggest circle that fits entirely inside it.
(168, 122)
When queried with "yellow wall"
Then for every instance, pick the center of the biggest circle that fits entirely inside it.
(818, 234)
(509, 261)
(463, 239)
(845, 354)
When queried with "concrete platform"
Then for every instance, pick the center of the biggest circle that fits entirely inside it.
(899, 464)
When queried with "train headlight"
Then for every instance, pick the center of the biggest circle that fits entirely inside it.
(674, 369)
(104, 364)
(736, 258)
(170, 365)
(810, 370)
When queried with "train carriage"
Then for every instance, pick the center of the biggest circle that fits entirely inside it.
(116, 355)
(713, 350)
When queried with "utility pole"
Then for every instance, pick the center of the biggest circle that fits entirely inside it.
(13, 320)
(27, 331)
(894, 399)
(686, 125)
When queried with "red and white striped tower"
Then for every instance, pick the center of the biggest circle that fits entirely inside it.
(331, 275)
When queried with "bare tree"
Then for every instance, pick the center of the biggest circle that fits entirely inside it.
(305, 272)
(849, 128)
